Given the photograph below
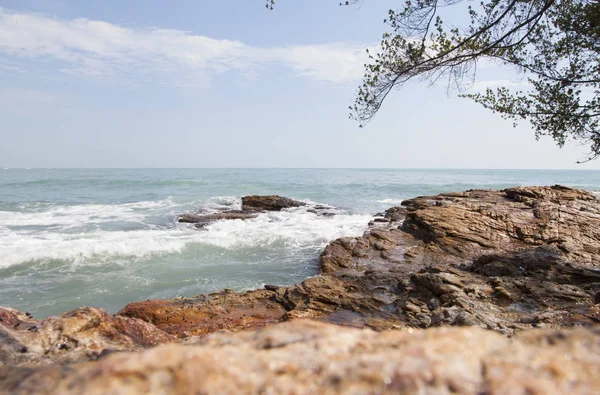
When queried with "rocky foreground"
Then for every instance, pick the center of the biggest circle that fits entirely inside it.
(304, 357)
(523, 262)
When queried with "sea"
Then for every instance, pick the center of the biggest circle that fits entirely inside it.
(108, 237)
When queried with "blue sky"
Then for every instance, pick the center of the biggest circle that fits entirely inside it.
(149, 83)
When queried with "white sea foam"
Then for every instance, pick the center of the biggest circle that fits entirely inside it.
(391, 201)
(220, 203)
(93, 247)
(295, 229)
(68, 216)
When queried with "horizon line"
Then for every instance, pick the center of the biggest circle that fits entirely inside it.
(292, 168)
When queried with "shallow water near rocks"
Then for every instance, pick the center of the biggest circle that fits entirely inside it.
(107, 237)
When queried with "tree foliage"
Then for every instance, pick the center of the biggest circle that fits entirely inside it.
(554, 44)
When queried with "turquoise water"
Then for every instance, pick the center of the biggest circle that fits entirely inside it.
(107, 237)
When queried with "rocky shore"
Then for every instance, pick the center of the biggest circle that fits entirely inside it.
(522, 263)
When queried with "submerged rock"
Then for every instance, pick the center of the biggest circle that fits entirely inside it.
(310, 357)
(269, 203)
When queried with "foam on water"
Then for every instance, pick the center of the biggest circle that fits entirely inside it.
(390, 201)
(294, 229)
(42, 214)
(92, 248)
(220, 203)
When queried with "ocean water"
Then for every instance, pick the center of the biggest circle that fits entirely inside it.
(107, 237)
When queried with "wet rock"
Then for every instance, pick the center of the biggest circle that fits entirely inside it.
(251, 207)
(205, 219)
(395, 214)
(271, 287)
(322, 211)
(311, 357)
(269, 203)
(381, 220)
(390, 219)
(225, 310)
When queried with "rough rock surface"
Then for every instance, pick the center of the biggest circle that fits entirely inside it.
(83, 334)
(504, 260)
(304, 357)
(269, 203)
(224, 310)
(509, 261)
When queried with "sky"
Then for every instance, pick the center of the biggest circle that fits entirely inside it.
(187, 83)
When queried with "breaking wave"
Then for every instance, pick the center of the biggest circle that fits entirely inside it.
(94, 234)
(391, 201)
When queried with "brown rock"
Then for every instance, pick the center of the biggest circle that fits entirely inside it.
(508, 260)
(78, 335)
(225, 310)
(395, 214)
(269, 203)
(474, 221)
(494, 259)
(311, 357)
(251, 206)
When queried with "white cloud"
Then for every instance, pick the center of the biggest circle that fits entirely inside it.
(326, 62)
(104, 50)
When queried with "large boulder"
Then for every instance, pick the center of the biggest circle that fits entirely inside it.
(269, 203)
